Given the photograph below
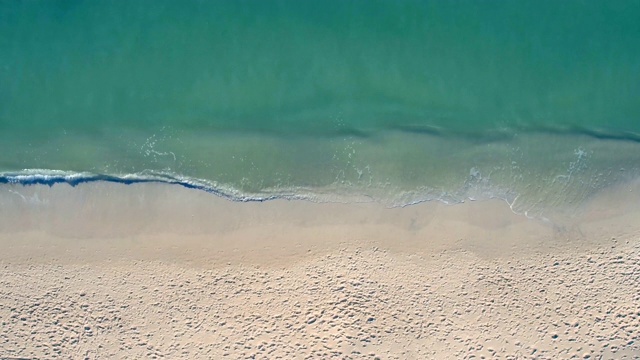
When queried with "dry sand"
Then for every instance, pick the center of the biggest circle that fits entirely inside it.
(108, 271)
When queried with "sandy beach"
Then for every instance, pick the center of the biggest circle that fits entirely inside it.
(336, 179)
(103, 271)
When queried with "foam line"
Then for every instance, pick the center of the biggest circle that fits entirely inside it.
(53, 177)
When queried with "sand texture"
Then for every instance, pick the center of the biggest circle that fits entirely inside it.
(319, 287)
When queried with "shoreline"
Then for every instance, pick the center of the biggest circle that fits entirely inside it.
(161, 221)
(105, 215)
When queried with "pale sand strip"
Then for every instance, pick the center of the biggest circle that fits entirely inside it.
(111, 271)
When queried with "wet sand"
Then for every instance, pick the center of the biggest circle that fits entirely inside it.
(155, 271)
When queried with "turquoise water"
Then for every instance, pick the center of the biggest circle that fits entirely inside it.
(535, 102)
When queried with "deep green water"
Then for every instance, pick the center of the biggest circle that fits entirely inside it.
(399, 101)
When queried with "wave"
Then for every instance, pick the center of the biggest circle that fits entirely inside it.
(404, 198)
(53, 177)
(506, 133)
(50, 178)
(533, 172)
(331, 194)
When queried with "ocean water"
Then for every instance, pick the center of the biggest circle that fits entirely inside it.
(533, 102)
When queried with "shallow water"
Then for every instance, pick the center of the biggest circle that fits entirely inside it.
(533, 102)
